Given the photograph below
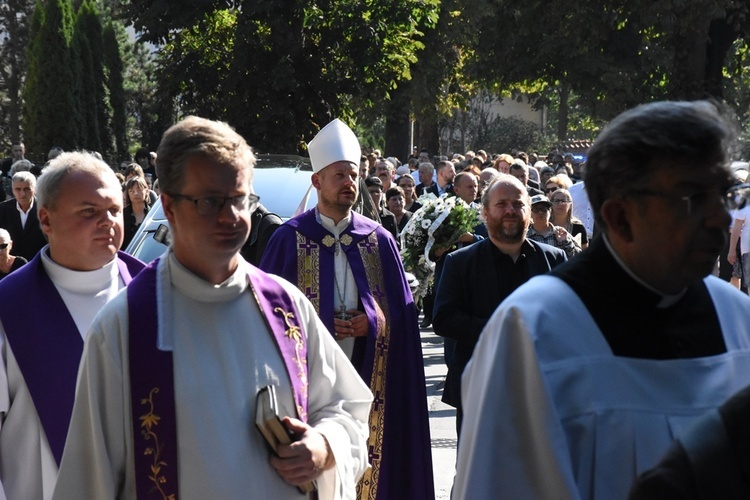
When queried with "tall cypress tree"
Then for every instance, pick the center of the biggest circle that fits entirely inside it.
(89, 30)
(33, 111)
(87, 85)
(51, 112)
(115, 85)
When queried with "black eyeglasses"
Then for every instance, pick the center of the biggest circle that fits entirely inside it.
(212, 205)
(548, 190)
(734, 198)
(4, 246)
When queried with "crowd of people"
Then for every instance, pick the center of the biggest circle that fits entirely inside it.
(590, 352)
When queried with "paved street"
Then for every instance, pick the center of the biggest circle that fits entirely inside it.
(442, 416)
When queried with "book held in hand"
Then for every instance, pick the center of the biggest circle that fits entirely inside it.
(269, 424)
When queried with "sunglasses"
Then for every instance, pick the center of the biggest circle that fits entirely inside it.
(540, 209)
(4, 246)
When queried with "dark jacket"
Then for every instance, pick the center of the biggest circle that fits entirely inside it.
(27, 240)
(468, 293)
(262, 225)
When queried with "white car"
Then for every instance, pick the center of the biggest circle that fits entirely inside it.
(281, 181)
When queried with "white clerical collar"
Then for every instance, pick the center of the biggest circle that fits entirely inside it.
(198, 289)
(80, 281)
(334, 228)
(666, 300)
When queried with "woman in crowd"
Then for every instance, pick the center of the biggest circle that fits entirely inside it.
(406, 182)
(137, 206)
(556, 182)
(394, 199)
(8, 262)
(562, 215)
(543, 231)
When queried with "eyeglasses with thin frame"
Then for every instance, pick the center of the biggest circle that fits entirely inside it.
(212, 205)
(734, 198)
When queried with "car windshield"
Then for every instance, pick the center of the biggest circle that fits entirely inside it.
(281, 181)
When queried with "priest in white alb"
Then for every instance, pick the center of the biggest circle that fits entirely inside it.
(166, 394)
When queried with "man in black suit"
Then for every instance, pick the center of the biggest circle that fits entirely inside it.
(426, 184)
(520, 171)
(446, 172)
(477, 278)
(18, 216)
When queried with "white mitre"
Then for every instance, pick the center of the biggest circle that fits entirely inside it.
(335, 142)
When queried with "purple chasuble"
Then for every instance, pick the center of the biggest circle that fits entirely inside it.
(154, 416)
(390, 359)
(46, 342)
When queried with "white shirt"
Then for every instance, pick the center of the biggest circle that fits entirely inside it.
(24, 215)
(344, 278)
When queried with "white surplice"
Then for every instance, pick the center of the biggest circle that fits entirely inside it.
(554, 414)
(28, 470)
(223, 354)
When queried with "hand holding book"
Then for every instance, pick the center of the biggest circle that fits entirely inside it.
(297, 456)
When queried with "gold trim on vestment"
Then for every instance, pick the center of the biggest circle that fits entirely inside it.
(294, 333)
(148, 423)
(308, 269)
(367, 487)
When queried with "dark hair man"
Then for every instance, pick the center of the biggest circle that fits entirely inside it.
(623, 347)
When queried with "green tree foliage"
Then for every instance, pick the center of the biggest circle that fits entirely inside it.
(115, 88)
(438, 87)
(86, 88)
(612, 54)
(51, 110)
(293, 65)
(98, 123)
(15, 17)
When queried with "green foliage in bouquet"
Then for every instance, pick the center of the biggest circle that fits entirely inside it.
(438, 225)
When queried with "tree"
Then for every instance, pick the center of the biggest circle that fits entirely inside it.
(50, 113)
(15, 17)
(294, 65)
(116, 91)
(612, 54)
(90, 38)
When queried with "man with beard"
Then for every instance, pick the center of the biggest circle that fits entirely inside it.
(584, 377)
(477, 278)
(350, 269)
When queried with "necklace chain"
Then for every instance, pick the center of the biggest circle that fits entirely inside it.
(342, 314)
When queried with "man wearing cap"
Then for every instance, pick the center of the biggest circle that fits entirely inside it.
(475, 279)
(543, 231)
(341, 263)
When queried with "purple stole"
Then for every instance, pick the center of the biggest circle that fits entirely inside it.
(46, 342)
(154, 418)
(389, 359)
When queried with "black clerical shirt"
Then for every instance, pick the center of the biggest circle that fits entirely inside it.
(627, 314)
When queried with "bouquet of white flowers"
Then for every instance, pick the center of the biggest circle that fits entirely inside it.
(437, 225)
